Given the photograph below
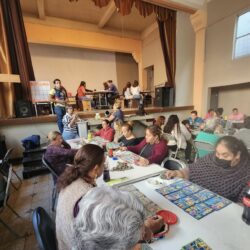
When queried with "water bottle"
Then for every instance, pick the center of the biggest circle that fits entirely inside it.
(89, 136)
(106, 175)
(246, 203)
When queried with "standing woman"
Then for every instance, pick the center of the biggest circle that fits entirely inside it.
(179, 135)
(73, 184)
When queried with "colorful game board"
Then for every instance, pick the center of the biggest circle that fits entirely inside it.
(193, 199)
(150, 207)
(129, 157)
(197, 244)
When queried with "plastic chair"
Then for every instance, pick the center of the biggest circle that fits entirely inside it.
(6, 168)
(55, 176)
(4, 195)
(44, 228)
(203, 148)
(173, 164)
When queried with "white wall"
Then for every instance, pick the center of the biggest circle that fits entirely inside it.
(220, 68)
(126, 69)
(152, 55)
(72, 65)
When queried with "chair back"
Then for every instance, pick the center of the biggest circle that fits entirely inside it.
(203, 148)
(49, 167)
(4, 167)
(172, 164)
(44, 229)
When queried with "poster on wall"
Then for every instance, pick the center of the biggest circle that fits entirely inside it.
(40, 91)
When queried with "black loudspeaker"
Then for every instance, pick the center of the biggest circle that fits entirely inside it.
(164, 97)
(23, 109)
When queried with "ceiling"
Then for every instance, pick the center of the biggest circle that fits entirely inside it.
(108, 18)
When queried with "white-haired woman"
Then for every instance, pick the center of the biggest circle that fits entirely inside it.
(110, 219)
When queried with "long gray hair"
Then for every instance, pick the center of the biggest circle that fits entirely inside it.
(108, 219)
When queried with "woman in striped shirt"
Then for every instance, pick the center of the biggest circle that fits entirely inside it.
(69, 124)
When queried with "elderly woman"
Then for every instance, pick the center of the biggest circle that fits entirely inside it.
(58, 154)
(225, 172)
(152, 149)
(73, 184)
(127, 138)
(109, 219)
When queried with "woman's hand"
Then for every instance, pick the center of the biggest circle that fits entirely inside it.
(170, 174)
(123, 148)
(142, 162)
(154, 223)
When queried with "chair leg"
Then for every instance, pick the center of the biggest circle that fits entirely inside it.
(13, 211)
(54, 196)
(11, 230)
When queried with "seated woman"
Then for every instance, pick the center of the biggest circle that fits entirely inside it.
(73, 184)
(111, 219)
(153, 149)
(118, 130)
(58, 153)
(117, 113)
(179, 136)
(244, 133)
(225, 172)
(135, 90)
(160, 121)
(128, 138)
(106, 132)
(69, 124)
(127, 94)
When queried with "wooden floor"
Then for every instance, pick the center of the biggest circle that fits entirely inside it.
(34, 192)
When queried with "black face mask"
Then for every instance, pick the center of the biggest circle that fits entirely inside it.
(222, 163)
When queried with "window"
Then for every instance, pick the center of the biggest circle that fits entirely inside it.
(242, 36)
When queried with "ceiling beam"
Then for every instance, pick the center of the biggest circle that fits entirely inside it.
(107, 15)
(41, 9)
(171, 4)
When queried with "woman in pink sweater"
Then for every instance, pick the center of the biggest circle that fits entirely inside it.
(152, 149)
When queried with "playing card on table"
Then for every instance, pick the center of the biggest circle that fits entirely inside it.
(204, 195)
(217, 202)
(180, 184)
(191, 189)
(186, 202)
(199, 210)
(176, 195)
(197, 244)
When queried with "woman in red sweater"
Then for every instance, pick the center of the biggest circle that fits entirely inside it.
(106, 132)
(152, 149)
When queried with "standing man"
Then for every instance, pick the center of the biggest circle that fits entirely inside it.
(58, 95)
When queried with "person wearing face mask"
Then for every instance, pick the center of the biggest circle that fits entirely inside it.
(152, 149)
(225, 172)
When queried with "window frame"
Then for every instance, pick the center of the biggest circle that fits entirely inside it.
(236, 38)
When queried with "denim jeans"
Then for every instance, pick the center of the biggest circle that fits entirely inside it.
(60, 112)
(67, 135)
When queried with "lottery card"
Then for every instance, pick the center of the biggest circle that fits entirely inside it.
(180, 184)
(152, 208)
(217, 202)
(191, 189)
(145, 200)
(176, 195)
(203, 195)
(186, 202)
(197, 244)
(199, 210)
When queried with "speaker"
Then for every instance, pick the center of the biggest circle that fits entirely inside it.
(164, 97)
(23, 109)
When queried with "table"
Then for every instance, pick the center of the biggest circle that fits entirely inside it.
(79, 142)
(221, 230)
(42, 103)
(100, 93)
